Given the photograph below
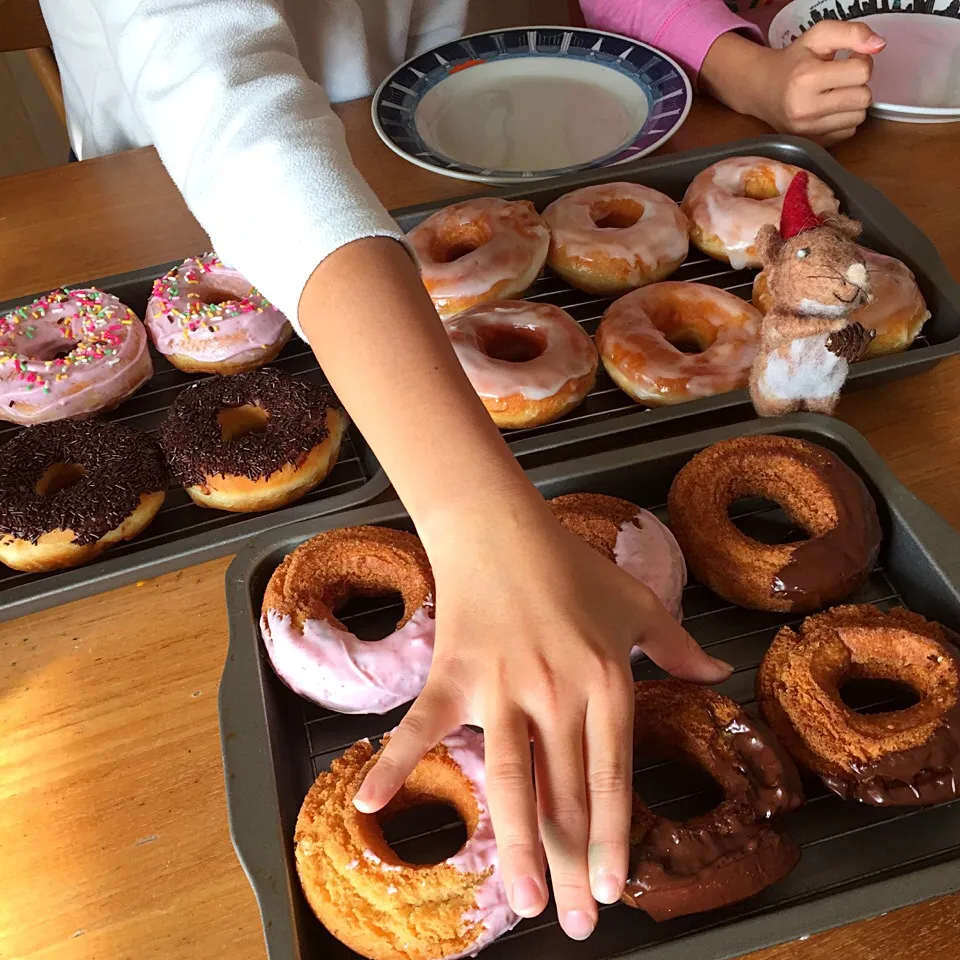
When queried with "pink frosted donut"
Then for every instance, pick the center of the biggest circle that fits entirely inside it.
(530, 363)
(479, 250)
(315, 654)
(204, 317)
(373, 900)
(632, 538)
(71, 353)
(614, 237)
(730, 201)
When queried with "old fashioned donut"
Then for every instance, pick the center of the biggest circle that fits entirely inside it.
(897, 758)
(530, 363)
(730, 201)
(315, 654)
(376, 903)
(204, 317)
(897, 311)
(70, 489)
(732, 852)
(614, 237)
(642, 337)
(479, 250)
(252, 441)
(71, 353)
(816, 490)
(632, 538)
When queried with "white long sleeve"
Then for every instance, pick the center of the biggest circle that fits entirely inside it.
(249, 139)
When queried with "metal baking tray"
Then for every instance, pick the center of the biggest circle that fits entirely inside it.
(184, 533)
(857, 861)
(607, 409)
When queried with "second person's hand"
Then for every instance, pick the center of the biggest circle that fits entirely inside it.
(534, 631)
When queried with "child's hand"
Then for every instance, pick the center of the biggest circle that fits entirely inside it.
(800, 89)
(534, 631)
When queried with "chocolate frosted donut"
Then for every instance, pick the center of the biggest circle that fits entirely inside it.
(732, 852)
(315, 654)
(71, 488)
(904, 757)
(817, 492)
(252, 441)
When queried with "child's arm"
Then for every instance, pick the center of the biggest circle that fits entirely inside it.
(533, 627)
(799, 89)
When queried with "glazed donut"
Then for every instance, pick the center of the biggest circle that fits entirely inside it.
(614, 237)
(632, 538)
(479, 250)
(897, 311)
(641, 337)
(730, 201)
(732, 852)
(71, 353)
(902, 757)
(69, 490)
(205, 317)
(315, 654)
(373, 901)
(816, 490)
(251, 441)
(530, 363)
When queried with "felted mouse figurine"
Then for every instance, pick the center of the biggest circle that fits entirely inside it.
(816, 277)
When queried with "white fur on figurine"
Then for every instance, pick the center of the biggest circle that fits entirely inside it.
(816, 278)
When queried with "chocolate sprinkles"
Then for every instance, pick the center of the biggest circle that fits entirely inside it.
(119, 466)
(192, 439)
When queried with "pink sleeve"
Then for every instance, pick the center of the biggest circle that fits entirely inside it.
(686, 29)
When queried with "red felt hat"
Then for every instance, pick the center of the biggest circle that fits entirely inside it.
(797, 213)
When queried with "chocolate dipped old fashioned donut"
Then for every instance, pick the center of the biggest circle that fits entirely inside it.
(816, 490)
(904, 757)
(732, 852)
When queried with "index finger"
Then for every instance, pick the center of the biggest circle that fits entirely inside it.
(428, 721)
(854, 71)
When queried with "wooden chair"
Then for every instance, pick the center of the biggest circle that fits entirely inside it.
(22, 28)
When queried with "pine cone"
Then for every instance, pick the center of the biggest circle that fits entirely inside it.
(851, 342)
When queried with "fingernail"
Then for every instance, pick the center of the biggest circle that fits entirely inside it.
(605, 887)
(722, 667)
(875, 40)
(577, 925)
(527, 899)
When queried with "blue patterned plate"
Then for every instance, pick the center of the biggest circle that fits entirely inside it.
(512, 105)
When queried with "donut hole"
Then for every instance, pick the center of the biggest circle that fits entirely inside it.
(616, 214)
(764, 521)
(870, 695)
(512, 344)
(371, 617)
(57, 350)
(214, 292)
(759, 185)
(427, 833)
(57, 477)
(676, 788)
(236, 422)
(449, 247)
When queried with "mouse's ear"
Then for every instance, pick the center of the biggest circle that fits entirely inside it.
(769, 243)
(851, 229)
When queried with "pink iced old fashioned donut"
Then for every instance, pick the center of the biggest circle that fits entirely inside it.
(380, 905)
(633, 538)
(530, 363)
(730, 201)
(204, 317)
(315, 654)
(614, 237)
(479, 250)
(71, 353)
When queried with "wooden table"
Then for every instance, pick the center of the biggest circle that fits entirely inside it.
(113, 829)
